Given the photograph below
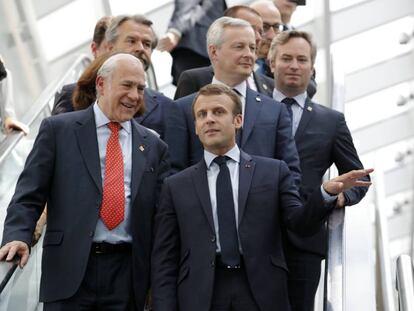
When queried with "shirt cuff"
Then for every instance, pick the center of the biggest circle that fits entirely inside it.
(327, 198)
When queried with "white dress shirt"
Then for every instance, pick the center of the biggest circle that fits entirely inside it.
(213, 170)
(122, 232)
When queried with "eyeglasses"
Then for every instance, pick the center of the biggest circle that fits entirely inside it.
(276, 27)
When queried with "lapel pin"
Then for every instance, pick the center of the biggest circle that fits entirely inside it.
(258, 99)
(264, 86)
(309, 108)
(142, 148)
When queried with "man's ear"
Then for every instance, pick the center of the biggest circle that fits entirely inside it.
(238, 121)
(212, 52)
(94, 47)
(99, 83)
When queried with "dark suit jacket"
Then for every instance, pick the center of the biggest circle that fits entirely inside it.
(193, 18)
(323, 139)
(63, 170)
(156, 107)
(185, 243)
(193, 80)
(267, 132)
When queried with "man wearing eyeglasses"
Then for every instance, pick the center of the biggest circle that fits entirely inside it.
(272, 25)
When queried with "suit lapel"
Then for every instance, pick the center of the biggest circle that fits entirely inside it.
(246, 171)
(88, 145)
(307, 115)
(140, 149)
(150, 105)
(199, 175)
(251, 111)
(261, 84)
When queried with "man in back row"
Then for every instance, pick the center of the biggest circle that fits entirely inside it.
(129, 34)
(266, 127)
(218, 228)
(322, 139)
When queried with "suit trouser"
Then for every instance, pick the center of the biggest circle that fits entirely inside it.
(303, 279)
(184, 59)
(232, 291)
(107, 285)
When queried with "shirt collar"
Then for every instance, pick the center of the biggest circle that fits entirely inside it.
(233, 153)
(300, 99)
(101, 119)
(241, 88)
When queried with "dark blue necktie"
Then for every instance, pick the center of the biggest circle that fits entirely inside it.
(226, 217)
(289, 102)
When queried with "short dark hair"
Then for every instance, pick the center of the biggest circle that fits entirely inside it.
(219, 89)
(100, 29)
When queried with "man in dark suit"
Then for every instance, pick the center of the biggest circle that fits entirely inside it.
(322, 139)
(192, 80)
(266, 129)
(122, 31)
(185, 38)
(218, 237)
(99, 173)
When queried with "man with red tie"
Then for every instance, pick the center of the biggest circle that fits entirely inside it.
(99, 173)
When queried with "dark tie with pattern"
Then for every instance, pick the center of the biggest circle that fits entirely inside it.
(226, 217)
(289, 102)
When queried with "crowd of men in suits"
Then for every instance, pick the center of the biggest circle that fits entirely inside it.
(213, 201)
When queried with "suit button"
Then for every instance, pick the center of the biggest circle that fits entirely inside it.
(213, 238)
(213, 264)
(91, 233)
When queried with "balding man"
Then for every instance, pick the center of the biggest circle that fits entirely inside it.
(99, 173)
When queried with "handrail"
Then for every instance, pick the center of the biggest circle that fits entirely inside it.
(11, 140)
(405, 283)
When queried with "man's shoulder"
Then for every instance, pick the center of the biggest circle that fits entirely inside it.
(198, 72)
(157, 96)
(326, 112)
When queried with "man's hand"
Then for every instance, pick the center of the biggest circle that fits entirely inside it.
(346, 181)
(168, 42)
(11, 249)
(340, 201)
(12, 124)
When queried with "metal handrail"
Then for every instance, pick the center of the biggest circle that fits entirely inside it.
(405, 283)
(39, 106)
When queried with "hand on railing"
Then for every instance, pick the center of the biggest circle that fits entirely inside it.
(15, 248)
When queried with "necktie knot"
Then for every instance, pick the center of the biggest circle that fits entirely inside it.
(289, 101)
(220, 160)
(114, 126)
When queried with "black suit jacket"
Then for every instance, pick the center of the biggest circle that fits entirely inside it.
(267, 132)
(323, 139)
(193, 80)
(63, 170)
(185, 242)
(156, 107)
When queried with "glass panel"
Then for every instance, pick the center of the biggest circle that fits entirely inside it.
(378, 106)
(373, 46)
(59, 33)
(135, 7)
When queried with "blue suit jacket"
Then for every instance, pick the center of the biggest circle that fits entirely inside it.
(185, 243)
(266, 132)
(193, 18)
(63, 170)
(323, 139)
(156, 107)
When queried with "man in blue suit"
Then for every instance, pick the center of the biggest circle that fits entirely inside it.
(130, 34)
(218, 228)
(266, 130)
(322, 139)
(99, 173)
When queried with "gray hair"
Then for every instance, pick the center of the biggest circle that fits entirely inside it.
(216, 30)
(107, 68)
(111, 34)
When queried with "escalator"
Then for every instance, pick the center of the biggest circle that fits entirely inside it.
(19, 288)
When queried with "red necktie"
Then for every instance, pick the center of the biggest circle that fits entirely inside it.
(113, 201)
